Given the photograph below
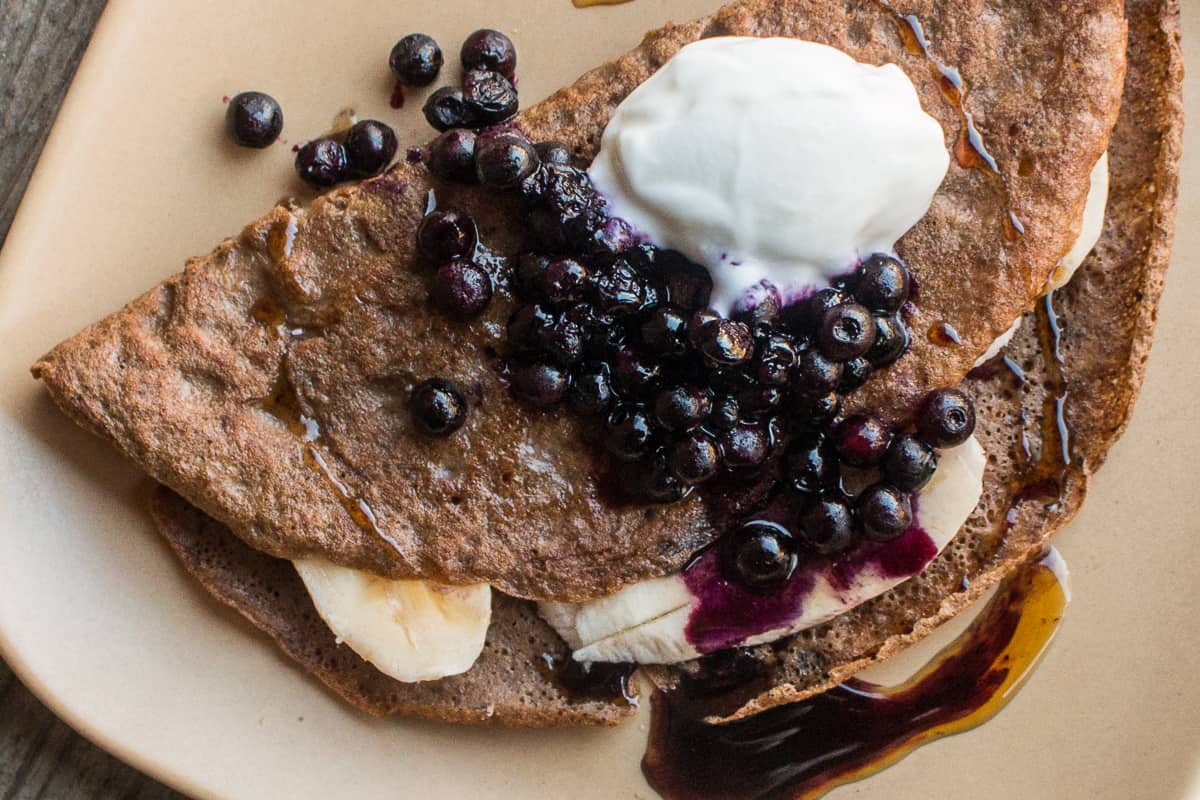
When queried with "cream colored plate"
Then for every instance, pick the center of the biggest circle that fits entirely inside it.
(99, 621)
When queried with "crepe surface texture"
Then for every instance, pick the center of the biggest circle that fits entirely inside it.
(321, 314)
(1109, 310)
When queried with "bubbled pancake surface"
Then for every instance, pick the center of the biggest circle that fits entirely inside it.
(181, 379)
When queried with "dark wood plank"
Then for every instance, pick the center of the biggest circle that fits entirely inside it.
(41, 42)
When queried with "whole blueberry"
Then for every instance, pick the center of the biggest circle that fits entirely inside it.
(370, 145)
(862, 440)
(820, 409)
(415, 60)
(650, 479)
(688, 284)
(591, 390)
(946, 418)
(554, 152)
(564, 279)
(682, 408)
(775, 359)
(756, 400)
(322, 163)
(747, 444)
(620, 290)
(725, 414)
(884, 511)
(564, 342)
(807, 315)
(815, 375)
(698, 322)
(628, 433)
(491, 50)
(489, 97)
(760, 555)
(665, 331)
(725, 342)
(527, 328)
(635, 374)
(891, 340)
(438, 407)
(827, 525)
(462, 289)
(446, 235)
(253, 119)
(445, 109)
(695, 458)
(855, 373)
(909, 463)
(613, 237)
(503, 160)
(452, 156)
(810, 463)
(539, 384)
(882, 283)
(845, 332)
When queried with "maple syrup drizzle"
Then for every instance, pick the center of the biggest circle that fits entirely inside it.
(944, 334)
(805, 749)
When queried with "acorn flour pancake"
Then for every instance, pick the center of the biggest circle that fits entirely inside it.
(320, 314)
(1107, 311)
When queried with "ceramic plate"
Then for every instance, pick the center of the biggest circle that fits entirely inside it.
(96, 617)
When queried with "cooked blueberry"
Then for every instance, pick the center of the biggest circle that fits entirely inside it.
(846, 331)
(445, 235)
(688, 284)
(807, 315)
(527, 327)
(763, 309)
(489, 49)
(370, 145)
(462, 288)
(564, 279)
(452, 156)
(651, 479)
(489, 97)
(697, 323)
(446, 109)
(909, 463)
(760, 555)
(725, 414)
(253, 119)
(882, 283)
(682, 408)
(665, 331)
(745, 445)
(827, 526)
(530, 273)
(775, 360)
(322, 162)
(628, 433)
(503, 160)
(816, 375)
(891, 340)
(438, 407)
(725, 342)
(819, 409)
(613, 237)
(540, 384)
(855, 372)
(566, 211)
(946, 418)
(862, 441)
(591, 390)
(777, 436)
(757, 400)
(695, 458)
(564, 342)
(810, 464)
(619, 289)
(555, 153)
(415, 60)
(635, 374)
(884, 511)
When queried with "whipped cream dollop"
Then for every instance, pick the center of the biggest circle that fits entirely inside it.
(775, 163)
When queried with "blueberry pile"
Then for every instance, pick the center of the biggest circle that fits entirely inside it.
(366, 149)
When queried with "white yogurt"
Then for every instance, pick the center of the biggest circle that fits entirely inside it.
(772, 162)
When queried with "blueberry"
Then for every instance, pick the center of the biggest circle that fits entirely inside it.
(415, 60)
(446, 109)
(665, 331)
(370, 145)
(619, 289)
(688, 284)
(591, 390)
(816, 375)
(564, 279)
(756, 400)
(452, 156)
(884, 511)
(697, 323)
(827, 526)
(446, 235)
(564, 342)
(764, 311)
(891, 340)
(491, 50)
(695, 458)
(628, 433)
(760, 555)
(725, 342)
(530, 272)
(438, 407)
(882, 283)
(503, 160)
(946, 418)
(820, 409)
(775, 360)
(634, 374)
(555, 153)
(253, 119)
(862, 441)
(725, 414)
(745, 445)
(613, 237)
(322, 163)
(809, 313)
(845, 332)
(810, 464)
(855, 373)
(489, 97)
(527, 327)
(682, 408)
(651, 480)
(540, 384)
(909, 463)
(462, 289)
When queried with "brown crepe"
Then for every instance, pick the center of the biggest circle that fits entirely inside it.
(194, 380)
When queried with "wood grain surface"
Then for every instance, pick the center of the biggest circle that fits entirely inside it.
(41, 42)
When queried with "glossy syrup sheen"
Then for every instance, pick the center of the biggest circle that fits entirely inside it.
(854, 730)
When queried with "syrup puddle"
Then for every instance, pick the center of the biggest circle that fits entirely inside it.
(805, 749)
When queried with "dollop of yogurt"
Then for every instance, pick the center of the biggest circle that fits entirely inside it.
(775, 163)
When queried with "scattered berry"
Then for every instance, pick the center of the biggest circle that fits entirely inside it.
(370, 146)
(490, 50)
(885, 512)
(253, 119)
(946, 418)
(862, 441)
(503, 160)
(452, 156)
(438, 407)
(909, 463)
(446, 235)
(322, 163)
(415, 60)
(462, 289)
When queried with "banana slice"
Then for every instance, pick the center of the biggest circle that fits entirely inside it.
(411, 630)
(664, 620)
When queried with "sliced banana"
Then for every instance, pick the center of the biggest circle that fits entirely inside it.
(410, 630)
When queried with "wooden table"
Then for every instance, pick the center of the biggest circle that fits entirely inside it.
(41, 42)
